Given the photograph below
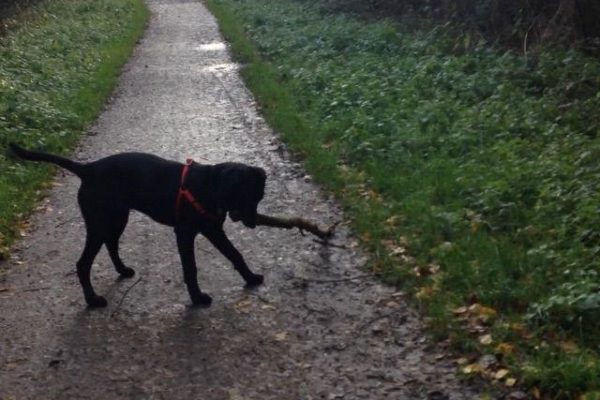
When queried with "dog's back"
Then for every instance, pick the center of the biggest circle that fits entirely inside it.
(137, 181)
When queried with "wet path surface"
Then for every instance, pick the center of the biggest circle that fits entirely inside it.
(297, 337)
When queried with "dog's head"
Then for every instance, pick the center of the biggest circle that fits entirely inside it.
(240, 188)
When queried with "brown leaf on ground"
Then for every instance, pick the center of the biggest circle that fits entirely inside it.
(569, 347)
(505, 348)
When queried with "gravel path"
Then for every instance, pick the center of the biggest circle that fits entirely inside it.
(297, 337)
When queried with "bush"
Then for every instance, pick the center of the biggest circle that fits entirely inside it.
(515, 23)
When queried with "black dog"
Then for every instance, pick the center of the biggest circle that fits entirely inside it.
(192, 198)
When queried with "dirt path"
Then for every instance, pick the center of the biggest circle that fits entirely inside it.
(295, 338)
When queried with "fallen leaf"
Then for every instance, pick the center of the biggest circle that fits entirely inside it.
(398, 251)
(510, 382)
(242, 304)
(462, 361)
(569, 347)
(393, 220)
(505, 348)
(475, 328)
(473, 307)
(281, 336)
(460, 310)
(485, 339)
(535, 392)
(475, 225)
(482, 312)
(517, 395)
(421, 271)
(10, 366)
(393, 248)
(434, 268)
(501, 373)
(424, 293)
(370, 194)
(486, 313)
(392, 304)
(471, 369)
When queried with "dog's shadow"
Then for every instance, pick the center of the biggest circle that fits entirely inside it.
(138, 352)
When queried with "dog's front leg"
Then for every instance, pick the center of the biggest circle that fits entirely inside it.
(218, 238)
(185, 244)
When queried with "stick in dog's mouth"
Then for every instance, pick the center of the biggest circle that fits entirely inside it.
(295, 222)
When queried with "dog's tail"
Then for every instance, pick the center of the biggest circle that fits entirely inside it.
(75, 167)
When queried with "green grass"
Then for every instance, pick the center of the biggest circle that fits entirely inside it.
(58, 63)
(481, 162)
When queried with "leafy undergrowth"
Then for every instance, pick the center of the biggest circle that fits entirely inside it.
(473, 175)
(59, 61)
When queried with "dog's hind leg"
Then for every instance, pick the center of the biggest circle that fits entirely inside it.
(93, 243)
(118, 221)
(96, 224)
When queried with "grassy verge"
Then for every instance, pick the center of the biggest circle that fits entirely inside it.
(59, 61)
(471, 174)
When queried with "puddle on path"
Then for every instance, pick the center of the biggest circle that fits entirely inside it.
(223, 67)
(215, 46)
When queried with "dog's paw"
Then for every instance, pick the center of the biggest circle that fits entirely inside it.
(126, 272)
(254, 280)
(96, 302)
(202, 300)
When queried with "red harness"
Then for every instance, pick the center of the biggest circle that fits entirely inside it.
(187, 195)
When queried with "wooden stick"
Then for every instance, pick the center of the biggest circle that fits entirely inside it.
(295, 222)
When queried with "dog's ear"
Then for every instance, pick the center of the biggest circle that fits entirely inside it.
(262, 173)
(227, 182)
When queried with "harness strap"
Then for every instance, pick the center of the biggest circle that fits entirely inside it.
(185, 194)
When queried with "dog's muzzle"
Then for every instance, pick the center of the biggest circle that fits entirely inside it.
(248, 221)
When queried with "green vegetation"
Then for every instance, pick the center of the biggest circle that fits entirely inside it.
(59, 60)
(515, 23)
(471, 173)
